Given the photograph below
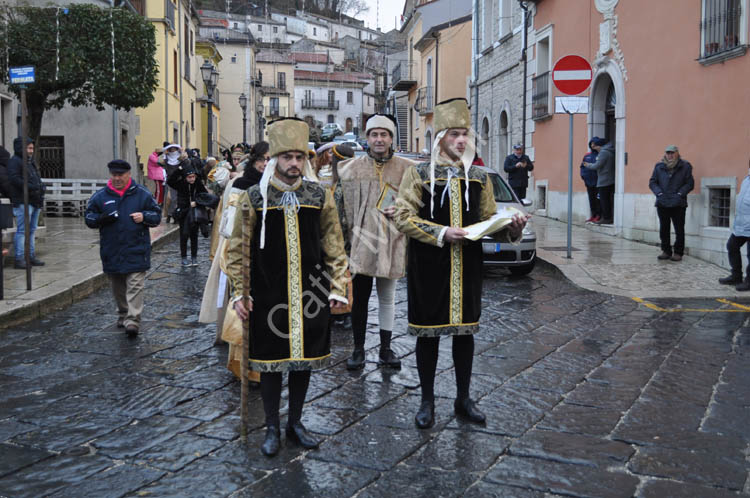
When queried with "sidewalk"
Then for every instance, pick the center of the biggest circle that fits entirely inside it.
(72, 270)
(614, 265)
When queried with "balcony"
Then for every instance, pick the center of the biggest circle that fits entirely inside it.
(425, 101)
(402, 77)
(331, 105)
(276, 112)
(540, 96)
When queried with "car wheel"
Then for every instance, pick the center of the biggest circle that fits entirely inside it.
(523, 270)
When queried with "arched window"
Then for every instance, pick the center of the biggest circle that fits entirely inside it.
(348, 125)
(484, 141)
(504, 149)
(428, 141)
(330, 118)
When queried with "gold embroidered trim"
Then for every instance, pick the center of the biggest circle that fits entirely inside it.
(294, 284)
(456, 253)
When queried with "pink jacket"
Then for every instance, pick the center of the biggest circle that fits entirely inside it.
(155, 171)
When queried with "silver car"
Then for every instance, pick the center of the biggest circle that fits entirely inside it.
(519, 259)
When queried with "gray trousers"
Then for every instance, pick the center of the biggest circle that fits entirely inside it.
(128, 291)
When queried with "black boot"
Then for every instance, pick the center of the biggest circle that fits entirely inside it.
(468, 410)
(297, 433)
(425, 417)
(733, 279)
(387, 357)
(271, 444)
(357, 361)
(744, 286)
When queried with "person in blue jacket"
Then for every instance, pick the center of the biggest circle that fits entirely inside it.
(740, 236)
(123, 211)
(518, 165)
(589, 177)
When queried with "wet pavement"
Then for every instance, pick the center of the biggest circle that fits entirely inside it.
(586, 393)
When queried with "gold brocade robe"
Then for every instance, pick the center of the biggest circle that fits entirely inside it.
(378, 249)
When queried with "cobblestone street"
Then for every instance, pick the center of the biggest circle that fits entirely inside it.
(586, 394)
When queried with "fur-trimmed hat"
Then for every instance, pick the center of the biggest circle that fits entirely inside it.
(287, 134)
(384, 121)
(453, 113)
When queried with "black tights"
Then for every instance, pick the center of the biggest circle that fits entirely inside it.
(187, 231)
(270, 391)
(361, 290)
(427, 358)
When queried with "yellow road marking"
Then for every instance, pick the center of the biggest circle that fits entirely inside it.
(652, 306)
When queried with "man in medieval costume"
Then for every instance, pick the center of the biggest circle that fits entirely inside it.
(378, 250)
(444, 282)
(297, 273)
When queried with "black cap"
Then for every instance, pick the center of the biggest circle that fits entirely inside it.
(118, 166)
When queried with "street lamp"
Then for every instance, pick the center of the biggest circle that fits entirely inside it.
(243, 106)
(261, 119)
(210, 78)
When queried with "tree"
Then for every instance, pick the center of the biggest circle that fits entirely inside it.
(72, 51)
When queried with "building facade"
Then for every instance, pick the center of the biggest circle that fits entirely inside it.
(276, 79)
(335, 97)
(497, 79)
(646, 93)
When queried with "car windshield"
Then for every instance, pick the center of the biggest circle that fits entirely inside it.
(502, 191)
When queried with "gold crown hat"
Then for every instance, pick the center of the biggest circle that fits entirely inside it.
(284, 135)
(448, 114)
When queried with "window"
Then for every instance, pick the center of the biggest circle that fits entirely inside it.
(331, 99)
(330, 118)
(722, 26)
(260, 28)
(368, 100)
(192, 115)
(719, 200)
(315, 31)
(186, 50)
(349, 97)
(274, 101)
(234, 59)
(275, 29)
(488, 21)
(174, 71)
(505, 17)
(282, 81)
(541, 84)
(260, 40)
(235, 25)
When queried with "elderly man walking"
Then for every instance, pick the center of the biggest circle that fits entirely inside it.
(670, 182)
(518, 165)
(123, 211)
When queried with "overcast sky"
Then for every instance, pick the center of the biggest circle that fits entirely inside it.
(389, 9)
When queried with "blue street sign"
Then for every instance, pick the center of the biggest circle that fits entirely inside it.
(21, 75)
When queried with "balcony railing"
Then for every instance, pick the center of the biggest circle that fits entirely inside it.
(402, 76)
(332, 105)
(276, 112)
(425, 100)
(720, 26)
(540, 96)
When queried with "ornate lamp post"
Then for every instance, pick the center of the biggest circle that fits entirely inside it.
(210, 78)
(243, 106)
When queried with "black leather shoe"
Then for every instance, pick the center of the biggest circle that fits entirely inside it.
(131, 330)
(357, 361)
(272, 442)
(19, 265)
(389, 359)
(467, 409)
(744, 286)
(298, 435)
(425, 417)
(731, 280)
(36, 262)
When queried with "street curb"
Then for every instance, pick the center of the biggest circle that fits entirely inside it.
(65, 298)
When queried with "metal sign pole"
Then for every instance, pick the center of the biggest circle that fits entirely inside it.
(570, 186)
(25, 156)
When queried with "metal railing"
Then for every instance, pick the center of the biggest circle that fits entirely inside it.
(425, 100)
(403, 71)
(540, 95)
(320, 104)
(720, 26)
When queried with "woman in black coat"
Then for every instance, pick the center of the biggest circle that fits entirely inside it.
(187, 184)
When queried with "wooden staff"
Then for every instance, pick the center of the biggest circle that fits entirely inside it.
(246, 228)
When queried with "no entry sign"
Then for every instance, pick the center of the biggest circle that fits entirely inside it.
(572, 74)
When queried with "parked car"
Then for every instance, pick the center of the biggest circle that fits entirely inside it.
(520, 259)
(331, 131)
(354, 145)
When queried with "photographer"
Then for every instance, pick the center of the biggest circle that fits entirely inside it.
(518, 165)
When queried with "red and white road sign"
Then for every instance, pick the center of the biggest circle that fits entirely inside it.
(572, 74)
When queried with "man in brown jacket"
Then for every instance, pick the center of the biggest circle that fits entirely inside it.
(378, 250)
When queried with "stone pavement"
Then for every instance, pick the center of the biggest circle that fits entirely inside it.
(72, 270)
(587, 394)
(604, 263)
